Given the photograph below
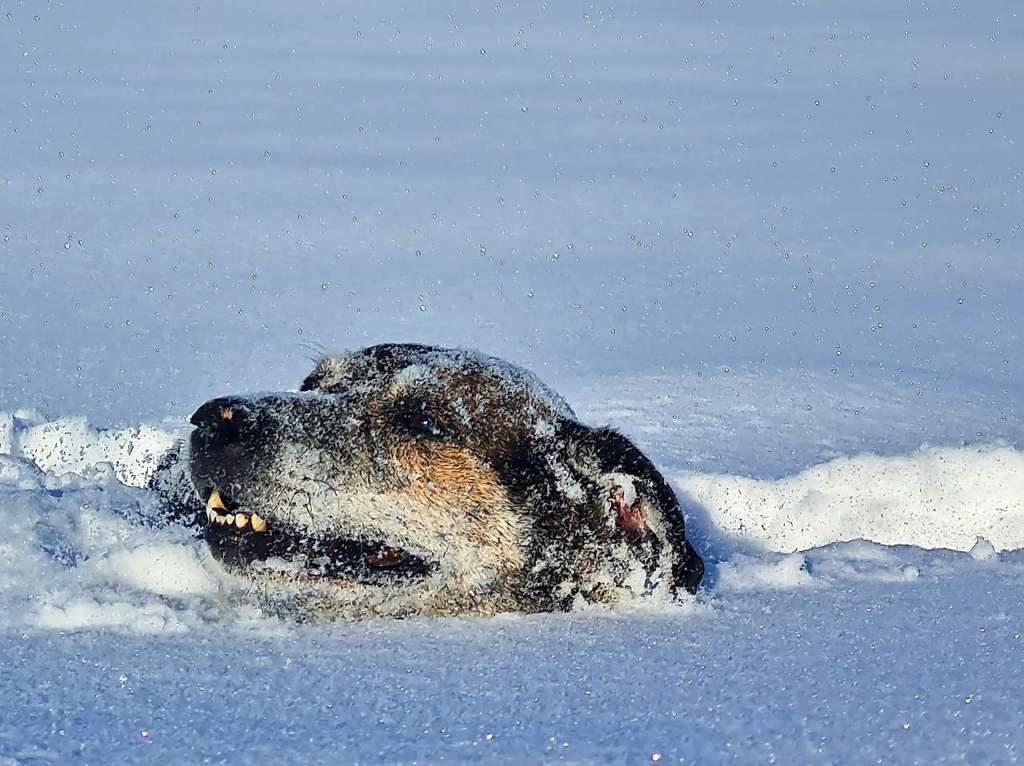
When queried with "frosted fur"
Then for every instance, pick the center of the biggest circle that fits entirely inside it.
(503, 496)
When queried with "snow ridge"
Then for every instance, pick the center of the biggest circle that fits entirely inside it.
(937, 497)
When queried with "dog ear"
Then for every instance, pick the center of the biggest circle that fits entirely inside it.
(647, 515)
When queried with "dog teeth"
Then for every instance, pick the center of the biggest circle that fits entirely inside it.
(217, 513)
(215, 503)
(215, 518)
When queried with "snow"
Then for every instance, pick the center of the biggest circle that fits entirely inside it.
(938, 497)
(776, 244)
(901, 643)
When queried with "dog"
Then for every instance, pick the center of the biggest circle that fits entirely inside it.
(405, 479)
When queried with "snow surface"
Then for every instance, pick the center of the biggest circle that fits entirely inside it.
(778, 244)
(125, 642)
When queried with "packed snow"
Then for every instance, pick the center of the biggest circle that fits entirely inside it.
(777, 244)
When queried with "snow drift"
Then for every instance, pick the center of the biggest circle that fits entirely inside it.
(933, 498)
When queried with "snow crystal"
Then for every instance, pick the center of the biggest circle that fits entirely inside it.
(983, 550)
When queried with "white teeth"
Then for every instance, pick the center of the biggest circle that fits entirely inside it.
(220, 520)
(258, 524)
(230, 518)
(241, 520)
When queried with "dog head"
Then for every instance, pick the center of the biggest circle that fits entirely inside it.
(405, 479)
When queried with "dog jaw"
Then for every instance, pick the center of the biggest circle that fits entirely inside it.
(450, 509)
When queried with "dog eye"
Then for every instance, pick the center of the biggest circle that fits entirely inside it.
(415, 419)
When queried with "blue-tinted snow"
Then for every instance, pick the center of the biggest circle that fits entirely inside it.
(190, 192)
(761, 238)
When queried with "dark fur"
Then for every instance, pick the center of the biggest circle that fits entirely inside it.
(498, 417)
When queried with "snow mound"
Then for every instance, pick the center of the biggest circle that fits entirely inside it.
(933, 498)
(85, 546)
(93, 553)
(71, 445)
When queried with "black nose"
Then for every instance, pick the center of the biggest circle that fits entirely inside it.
(226, 418)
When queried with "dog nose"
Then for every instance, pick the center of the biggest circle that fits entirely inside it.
(226, 418)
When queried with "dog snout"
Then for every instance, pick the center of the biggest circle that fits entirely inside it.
(227, 418)
(224, 442)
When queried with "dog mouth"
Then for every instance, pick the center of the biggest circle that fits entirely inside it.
(243, 539)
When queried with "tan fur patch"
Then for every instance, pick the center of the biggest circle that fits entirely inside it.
(466, 493)
(451, 476)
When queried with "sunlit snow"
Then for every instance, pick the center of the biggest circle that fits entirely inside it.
(777, 244)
